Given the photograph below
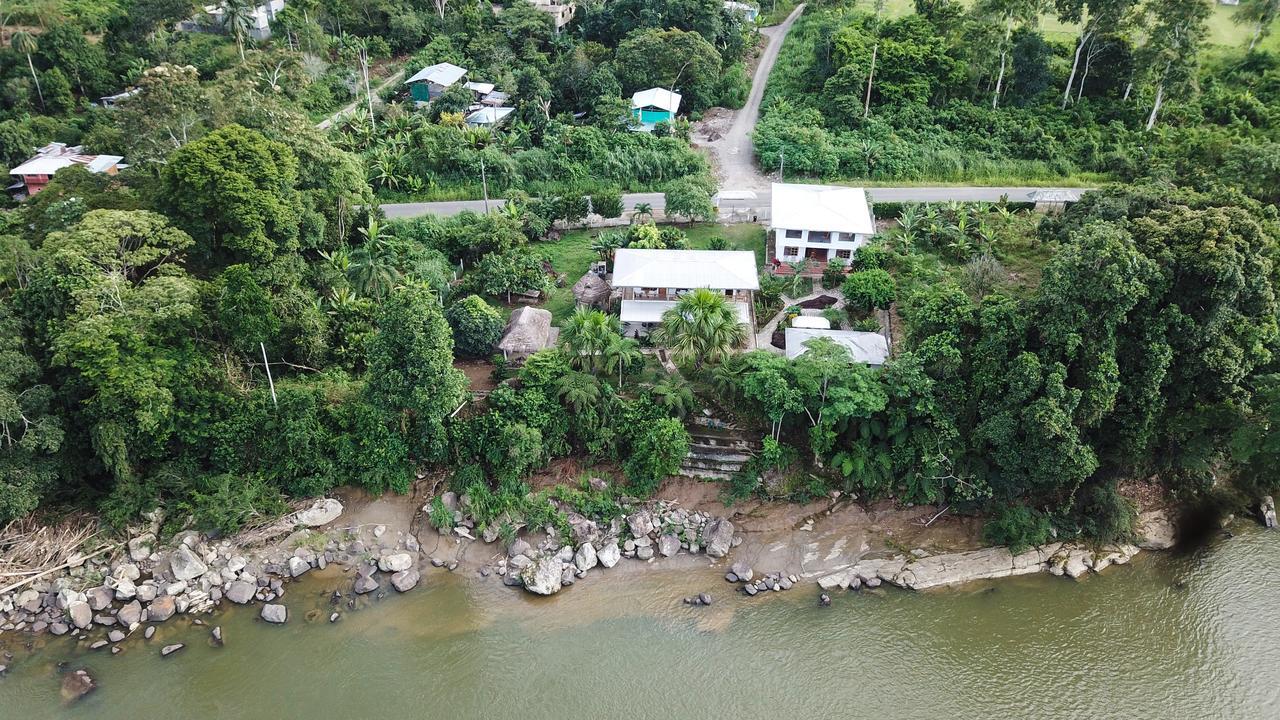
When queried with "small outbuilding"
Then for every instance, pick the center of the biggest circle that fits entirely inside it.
(591, 291)
(652, 106)
(868, 348)
(429, 82)
(489, 116)
(528, 331)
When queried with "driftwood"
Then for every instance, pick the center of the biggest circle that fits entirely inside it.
(64, 566)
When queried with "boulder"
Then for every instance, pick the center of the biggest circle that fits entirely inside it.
(395, 562)
(115, 636)
(609, 555)
(365, 584)
(298, 566)
(1268, 510)
(126, 571)
(586, 557)
(77, 684)
(130, 614)
(147, 591)
(168, 650)
(240, 592)
(321, 512)
(717, 536)
(126, 590)
(644, 553)
(216, 636)
(668, 545)
(405, 580)
(99, 597)
(742, 571)
(81, 614)
(185, 565)
(640, 523)
(519, 547)
(162, 608)
(1156, 531)
(544, 576)
(276, 614)
(141, 547)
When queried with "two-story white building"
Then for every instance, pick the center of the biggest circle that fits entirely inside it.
(652, 281)
(819, 222)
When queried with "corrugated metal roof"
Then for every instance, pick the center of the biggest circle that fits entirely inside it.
(826, 208)
(439, 74)
(686, 269)
(656, 97)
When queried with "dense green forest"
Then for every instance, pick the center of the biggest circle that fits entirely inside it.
(1042, 366)
(981, 91)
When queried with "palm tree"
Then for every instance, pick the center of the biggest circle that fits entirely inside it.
(237, 17)
(606, 244)
(674, 394)
(643, 208)
(579, 392)
(622, 353)
(793, 285)
(25, 43)
(703, 328)
(373, 270)
(586, 338)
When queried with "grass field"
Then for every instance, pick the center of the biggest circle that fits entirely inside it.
(572, 255)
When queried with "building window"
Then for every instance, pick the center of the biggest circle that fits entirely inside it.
(817, 236)
(795, 234)
(844, 254)
(790, 251)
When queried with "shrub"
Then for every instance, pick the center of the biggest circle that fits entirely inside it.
(1019, 527)
(870, 257)
(440, 517)
(1106, 515)
(656, 453)
(869, 289)
(833, 274)
(477, 326)
(718, 243)
(607, 203)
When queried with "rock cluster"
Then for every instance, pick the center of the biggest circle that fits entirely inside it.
(662, 530)
(151, 583)
(752, 585)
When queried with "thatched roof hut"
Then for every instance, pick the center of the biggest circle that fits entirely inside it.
(591, 291)
(528, 331)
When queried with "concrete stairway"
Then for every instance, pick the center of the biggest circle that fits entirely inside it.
(717, 450)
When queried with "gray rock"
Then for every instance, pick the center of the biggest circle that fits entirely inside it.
(240, 592)
(98, 645)
(298, 566)
(405, 580)
(59, 628)
(81, 614)
(742, 570)
(668, 545)
(395, 562)
(644, 553)
(750, 589)
(147, 592)
(216, 636)
(161, 609)
(168, 650)
(322, 512)
(717, 536)
(126, 571)
(126, 590)
(519, 547)
(140, 548)
(704, 598)
(185, 565)
(275, 613)
(77, 684)
(609, 555)
(99, 598)
(149, 632)
(1268, 510)
(544, 576)
(1156, 531)
(116, 636)
(640, 523)
(365, 584)
(586, 557)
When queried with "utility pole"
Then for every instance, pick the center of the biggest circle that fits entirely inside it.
(484, 181)
(782, 162)
(270, 382)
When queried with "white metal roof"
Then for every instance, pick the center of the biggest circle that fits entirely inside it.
(480, 88)
(651, 311)
(48, 165)
(826, 208)
(656, 97)
(489, 115)
(686, 269)
(444, 74)
(811, 322)
(865, 347)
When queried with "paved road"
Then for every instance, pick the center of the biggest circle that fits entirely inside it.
(325, 123)
(734, 153)
(761, 201)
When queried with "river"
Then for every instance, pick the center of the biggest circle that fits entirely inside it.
(1173, 635)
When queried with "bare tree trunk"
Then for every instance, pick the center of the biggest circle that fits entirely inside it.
(1004, 58)
(1075, 63)
(1155, 109)
(871, 76)
(1257, 32)
(1128, 89)
(364, 67)
(1088, 65)
(35, 77)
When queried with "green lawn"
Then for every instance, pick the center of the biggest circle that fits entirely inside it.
(572, 255)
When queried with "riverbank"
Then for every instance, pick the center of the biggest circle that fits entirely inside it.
(383, 545)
